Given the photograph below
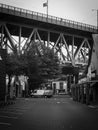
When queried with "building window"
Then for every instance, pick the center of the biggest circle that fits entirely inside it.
(54, 85)
(54, 88)
(61, 85)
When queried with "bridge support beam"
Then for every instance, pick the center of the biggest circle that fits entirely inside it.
(66, 46)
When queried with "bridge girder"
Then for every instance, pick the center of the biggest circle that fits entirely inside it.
(20, 28)
(60, 42)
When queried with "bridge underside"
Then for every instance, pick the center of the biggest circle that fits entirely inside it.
(72, 45)
(74, 49)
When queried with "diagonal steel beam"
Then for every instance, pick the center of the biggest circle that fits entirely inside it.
(60, 51)
(2, 32)
(6, 44)
(78, 49)
(66, 47)
(57, 41)
(26, 49)
(63, 56)
(10, 47)
(10, 38)
(88, 44)
(82, 54)
(39, 38)
(26, 43)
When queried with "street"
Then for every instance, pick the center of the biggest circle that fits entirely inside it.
(57, 113)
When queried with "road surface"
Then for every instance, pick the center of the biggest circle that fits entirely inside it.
(57, 113)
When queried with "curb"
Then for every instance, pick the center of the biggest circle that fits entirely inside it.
(2, 103)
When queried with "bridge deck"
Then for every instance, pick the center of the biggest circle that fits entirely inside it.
(43, 18)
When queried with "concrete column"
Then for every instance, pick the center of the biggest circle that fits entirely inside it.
(78, 93)
(94, 94)
(87, 94)
(82, 93)
(74, 93)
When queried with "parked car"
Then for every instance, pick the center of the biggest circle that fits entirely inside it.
(42, 93)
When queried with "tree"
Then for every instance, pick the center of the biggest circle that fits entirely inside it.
(38, 65)
(42, 65)
(50, 64)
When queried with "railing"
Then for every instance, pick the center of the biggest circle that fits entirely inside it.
(50, 19)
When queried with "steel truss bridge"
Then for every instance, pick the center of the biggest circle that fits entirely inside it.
(21, 28)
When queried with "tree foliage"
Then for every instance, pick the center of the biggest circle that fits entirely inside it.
(38, 65)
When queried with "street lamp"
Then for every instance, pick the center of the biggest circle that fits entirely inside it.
(97, 17)
(46, 5)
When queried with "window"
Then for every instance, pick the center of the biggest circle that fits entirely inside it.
(54, 85)
(61, 85)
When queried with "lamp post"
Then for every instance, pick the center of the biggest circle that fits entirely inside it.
(97, 17)
(46, 5)
(47, 10)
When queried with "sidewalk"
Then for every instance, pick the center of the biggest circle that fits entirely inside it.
(61, 96)
(94, 105)
(9, 102)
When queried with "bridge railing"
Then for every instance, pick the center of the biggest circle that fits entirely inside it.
(43, 17)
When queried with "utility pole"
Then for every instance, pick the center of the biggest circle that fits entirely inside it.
(97, 17)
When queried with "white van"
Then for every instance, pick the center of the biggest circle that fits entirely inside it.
(42, 93)
(48, 93)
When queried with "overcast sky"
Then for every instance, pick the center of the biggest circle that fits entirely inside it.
(77, 10)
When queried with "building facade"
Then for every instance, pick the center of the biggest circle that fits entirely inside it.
(59, 87)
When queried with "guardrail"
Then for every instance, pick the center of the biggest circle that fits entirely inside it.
(50, 19)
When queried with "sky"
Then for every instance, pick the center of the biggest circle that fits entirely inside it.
(76, 10)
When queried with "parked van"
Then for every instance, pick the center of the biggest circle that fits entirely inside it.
(48, 93)
(42, 93)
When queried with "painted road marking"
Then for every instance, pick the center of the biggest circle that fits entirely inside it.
(65, 102)
(91, 106)
(9, 117)
(3, 123)
(14, 108)
(11, 112)
(11, 109)
(58, 102)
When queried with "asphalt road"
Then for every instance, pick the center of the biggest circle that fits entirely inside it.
(58, 113)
